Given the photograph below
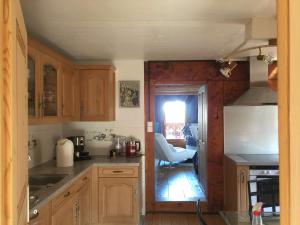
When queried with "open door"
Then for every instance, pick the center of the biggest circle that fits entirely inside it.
(14, 116)
(202, 139)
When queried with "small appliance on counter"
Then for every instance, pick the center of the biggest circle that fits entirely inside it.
(64, 153)
(125, 146)
(132, 147)
(79, 151)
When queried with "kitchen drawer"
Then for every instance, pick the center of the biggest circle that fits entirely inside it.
(71, 191)
(118, 172)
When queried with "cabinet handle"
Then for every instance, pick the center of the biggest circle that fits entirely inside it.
(117, 171)
(81, 109)
(135, 192)
(75, 213)
(40, 104)
(242, 177)
(43, 101)
(78, 212)
(67, 194)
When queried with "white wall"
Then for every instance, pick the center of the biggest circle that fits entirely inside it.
(251, 130)
(46, 137)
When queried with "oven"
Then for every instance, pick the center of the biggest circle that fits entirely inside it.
(262, 173)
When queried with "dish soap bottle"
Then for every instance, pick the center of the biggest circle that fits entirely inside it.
(256, 214)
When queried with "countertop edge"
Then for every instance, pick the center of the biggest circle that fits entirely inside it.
(235, 158)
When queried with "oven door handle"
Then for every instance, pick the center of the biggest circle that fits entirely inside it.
(267, 176)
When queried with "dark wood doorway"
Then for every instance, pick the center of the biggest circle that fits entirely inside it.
(220, 92)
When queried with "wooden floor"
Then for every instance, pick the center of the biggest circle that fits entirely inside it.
(178, 183)
(181, 219)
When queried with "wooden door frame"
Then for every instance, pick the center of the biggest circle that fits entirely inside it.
(289, 109)
(151, 204)
(2, 157)
(220, 92)
(7, 62)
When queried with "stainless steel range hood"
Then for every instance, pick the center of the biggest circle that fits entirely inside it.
(259, 92)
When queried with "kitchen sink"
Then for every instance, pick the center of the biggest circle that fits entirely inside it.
(45, 179)
(34, 188)
(33, 199)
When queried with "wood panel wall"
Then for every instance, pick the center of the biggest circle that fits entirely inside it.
(221, 92)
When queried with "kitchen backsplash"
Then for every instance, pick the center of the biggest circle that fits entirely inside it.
(42, 140)
(99, 136)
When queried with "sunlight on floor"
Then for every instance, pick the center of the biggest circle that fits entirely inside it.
(177, 183)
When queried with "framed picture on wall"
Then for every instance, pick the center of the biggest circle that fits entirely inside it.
(129, 93)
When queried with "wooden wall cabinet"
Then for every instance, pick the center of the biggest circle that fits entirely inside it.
(60, 91)
(69, 94)
(119, 196)
(235, 186)
(34, 92)
(50, 89)
(97, 90)
(44, 86)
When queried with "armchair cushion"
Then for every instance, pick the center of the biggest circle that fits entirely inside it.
(166, 152)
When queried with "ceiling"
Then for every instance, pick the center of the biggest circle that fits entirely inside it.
(143, 29)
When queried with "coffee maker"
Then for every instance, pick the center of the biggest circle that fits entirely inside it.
(79, 151)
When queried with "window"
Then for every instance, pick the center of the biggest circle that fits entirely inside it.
(174, 119)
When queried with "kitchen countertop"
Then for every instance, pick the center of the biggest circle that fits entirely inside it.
(254, 159)
(72, 173)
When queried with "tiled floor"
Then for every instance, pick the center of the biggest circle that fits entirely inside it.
(178, 183)
(181, 219)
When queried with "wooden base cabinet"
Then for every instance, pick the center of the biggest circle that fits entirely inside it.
(235, 186)
(67, 213)
(85, 205)
(73, 206)
(44, 216)
(118, 195)
(118, 201)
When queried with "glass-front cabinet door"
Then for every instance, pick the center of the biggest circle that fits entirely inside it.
(50, 84)
(33, 86)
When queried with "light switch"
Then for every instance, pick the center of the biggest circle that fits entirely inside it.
(149, 129)
(149, 126)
